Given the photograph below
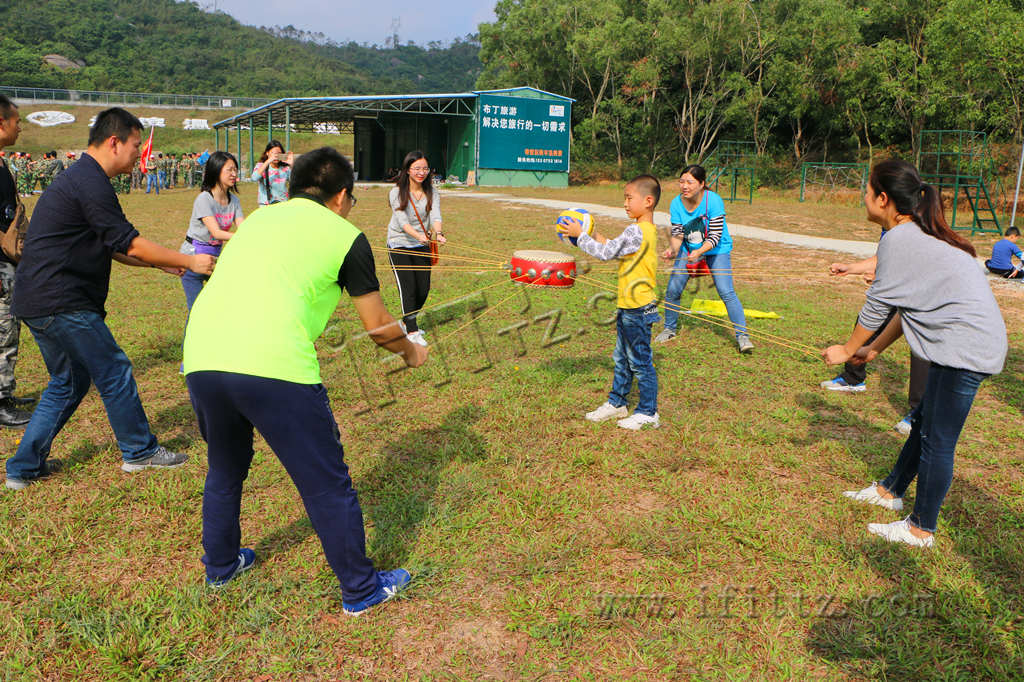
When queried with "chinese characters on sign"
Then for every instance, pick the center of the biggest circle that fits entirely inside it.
(523, 134)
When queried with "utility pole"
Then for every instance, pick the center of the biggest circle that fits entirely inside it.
(396, 23)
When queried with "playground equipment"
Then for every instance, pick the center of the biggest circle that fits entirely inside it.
(732, 160)
(959, 161)
(827, 179)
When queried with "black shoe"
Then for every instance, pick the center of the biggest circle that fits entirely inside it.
(11, 415)
(24, 402)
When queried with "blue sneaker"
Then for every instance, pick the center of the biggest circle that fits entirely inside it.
(246, 559)
(904, 426)
(839, 384)
(390, 583)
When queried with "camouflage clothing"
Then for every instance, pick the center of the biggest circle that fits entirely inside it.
(10, 331)
(121, 184)
(185, 170)
(49, 172)
(27, 178)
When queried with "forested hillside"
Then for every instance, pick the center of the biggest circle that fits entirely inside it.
(168, 46)
(661, 81)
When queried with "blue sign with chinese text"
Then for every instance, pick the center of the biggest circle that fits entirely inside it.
(517, 133)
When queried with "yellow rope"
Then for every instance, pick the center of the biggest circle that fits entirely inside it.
(763, 336)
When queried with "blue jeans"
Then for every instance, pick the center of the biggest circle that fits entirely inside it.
(152, 182)
(77, 348)
(192, 284)
(298, 425)
(633, 358)
(163, 178)
(721, 272)
(928, 453)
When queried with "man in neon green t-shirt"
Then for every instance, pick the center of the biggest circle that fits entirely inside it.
(250, 362)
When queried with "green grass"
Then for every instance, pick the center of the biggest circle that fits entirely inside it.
(517, 517)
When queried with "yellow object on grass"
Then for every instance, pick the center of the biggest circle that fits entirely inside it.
(709, 307)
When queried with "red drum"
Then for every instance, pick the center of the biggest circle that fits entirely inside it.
(698, 269)
(543, 268)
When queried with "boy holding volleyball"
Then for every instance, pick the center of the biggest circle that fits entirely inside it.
(637, 312)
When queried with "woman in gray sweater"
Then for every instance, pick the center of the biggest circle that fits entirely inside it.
(927, 273)
(415, 221)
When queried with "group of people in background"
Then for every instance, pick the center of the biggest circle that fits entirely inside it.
(31, 174)
(169, 172)
(164, 172)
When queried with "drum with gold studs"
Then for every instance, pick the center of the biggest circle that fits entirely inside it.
(542, 268)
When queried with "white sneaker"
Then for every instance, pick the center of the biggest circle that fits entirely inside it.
(665, 336)
(417, 337)
(637, 421)
(899, 531)
(744, 343)
(839, 384)
(606, 412)
(904, 426)
(871, 496)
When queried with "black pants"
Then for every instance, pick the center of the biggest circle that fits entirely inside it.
(298, 425)
(413, 283)
(855, 374)
(1011, 273)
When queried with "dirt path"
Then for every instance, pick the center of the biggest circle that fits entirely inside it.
(856, 248)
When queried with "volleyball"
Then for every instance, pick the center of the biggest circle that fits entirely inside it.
(576, 215)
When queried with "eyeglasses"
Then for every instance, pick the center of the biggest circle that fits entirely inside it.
(353, 200)
(419, 171)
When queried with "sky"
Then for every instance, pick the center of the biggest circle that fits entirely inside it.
(345, 20)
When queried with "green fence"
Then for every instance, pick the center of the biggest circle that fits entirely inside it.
(832, 177)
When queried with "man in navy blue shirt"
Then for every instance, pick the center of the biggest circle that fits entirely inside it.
(77, 227)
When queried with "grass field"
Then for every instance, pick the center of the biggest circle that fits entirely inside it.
(543, 546)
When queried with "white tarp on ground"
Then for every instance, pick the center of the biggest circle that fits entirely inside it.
(50, 118)
(196, 124)
(326, 129)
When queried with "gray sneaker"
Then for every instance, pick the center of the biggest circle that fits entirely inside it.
(161, 459)
(50, 466)
(744, 343)
(665, 336)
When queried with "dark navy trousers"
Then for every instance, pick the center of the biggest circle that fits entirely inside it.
(297, 423)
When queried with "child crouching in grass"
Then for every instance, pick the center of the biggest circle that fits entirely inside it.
(636, 250)
(1000, 263)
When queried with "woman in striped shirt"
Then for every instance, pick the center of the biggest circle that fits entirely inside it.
(698, 224)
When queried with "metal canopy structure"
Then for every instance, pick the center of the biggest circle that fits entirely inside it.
(305, 113)
(446, 126)
(335, 114)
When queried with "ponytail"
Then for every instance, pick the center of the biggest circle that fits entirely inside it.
(930, 217)
(911, 196)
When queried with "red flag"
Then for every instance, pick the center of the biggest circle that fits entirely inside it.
(147, 151)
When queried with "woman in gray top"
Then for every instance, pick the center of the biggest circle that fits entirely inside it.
(415, 222)
(216, 212)
(927, 273)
